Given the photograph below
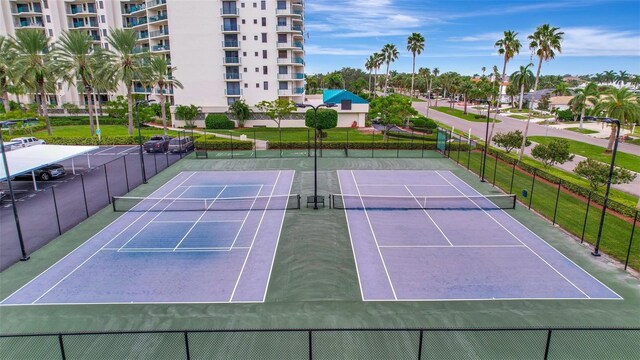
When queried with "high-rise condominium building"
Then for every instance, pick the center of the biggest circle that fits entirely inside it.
(223, 50)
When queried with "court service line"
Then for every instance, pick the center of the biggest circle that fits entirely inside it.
(413, 185)
(375, 239)
(240, 185)
(453, 246)
(105, 245)
(246, 217)
(255, 235)
(517, 238)
(188, 221)
(429, 216)
(200, 218)
(541, 239)
(204, 249)
(275, 249)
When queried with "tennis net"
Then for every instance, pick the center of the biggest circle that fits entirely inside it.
(381, 202)
(145, 204)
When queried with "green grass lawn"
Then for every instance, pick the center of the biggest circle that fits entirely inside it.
(519, 117)
(582, 131)
(413, 99)
(628, 161)
(460, 114)
(303, 134)
(106, 130)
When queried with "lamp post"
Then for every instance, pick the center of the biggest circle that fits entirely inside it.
(596, 251)
(23, 250)
(486, 138)
(315, 147)
(141, 102)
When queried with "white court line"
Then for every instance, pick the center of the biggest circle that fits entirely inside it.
(541, 239)
(255, 235)
(101, 151)
(103, 246)
(247, 216)
(126, 151)
(429, 216)
(188, 221)
(412, 185)
(512, 234)
(200, 218)
(204, 249)
(375, 239)
(449, 247)
(273, 258)
(240, 185)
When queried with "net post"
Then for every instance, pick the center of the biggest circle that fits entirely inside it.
(513, 174)
(113, 203)
(555, 210)
(633, 229)
(126, 173)
(373, 141)
(514, 201)
(186, 345)
(63, 354)
(533, 185)
(84, 194)
(424, 136)
(586, 217)
(459, 144)
(310, 345)
(55, 208)
(547, 344)
(106, 181)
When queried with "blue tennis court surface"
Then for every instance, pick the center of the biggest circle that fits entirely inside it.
(174, 247)
(461, 247)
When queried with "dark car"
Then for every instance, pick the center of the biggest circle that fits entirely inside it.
(182, 144)
(157, 143)
(46, 173)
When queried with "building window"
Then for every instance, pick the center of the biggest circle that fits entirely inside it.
(50, 33)
(264, 21)
(106, 46)
(46, 4)
(283, 70)
(48, 19)
(265, 70)
(256, 53)
(104, 32)
(265, 85)
(263, 5)
(246, 86)
(257, 69)
(255, 21)
(255, 38)
(244, 37)
(243, 21)
(282, 5)
(242, 5)
(245, 69)
(102, 19)
(345, 104)
(264, 54)
(264, 37)
(255, 5)
(257, 85)
(244, 53)
(282, 38)
(101, 4)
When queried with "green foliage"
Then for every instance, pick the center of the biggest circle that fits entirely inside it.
(422, 122)
(554, 152)
(544, 102)
(86, 140)
(391, 110)
(18, 114)
(157, 111)
(510, 140)
(188, 114)
(84, 120)
(564, 115)
(597, 173)
(241, 111)
(212, 143)
(117, 108)
(327, 119)
(218, 121)
(71, 108)
(277, 109)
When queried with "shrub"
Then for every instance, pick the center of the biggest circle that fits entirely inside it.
(71, 108)
(84, 120)
(423, 122)
(554, 152)
(218, 121)
(510, 140)
(564, 115)
(81, 140)
(213, 143)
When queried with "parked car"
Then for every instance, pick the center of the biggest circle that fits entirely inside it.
(182, 144)
(26, 142)
(46, 172)
(157, 143)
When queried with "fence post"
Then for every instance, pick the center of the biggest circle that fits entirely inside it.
(548, 344)
(513, 174)
(61, 343)
(310, 346)
(126, 173)
(84, 193)
(420, 346)
(555, 210)
(308, 143)
(55, 207)
(495, 169)
(633, 230)
(255, 144)
(106, 181)
(533, 185)
(586, 215)
(373, 141)
(186, 345)
(469, 157)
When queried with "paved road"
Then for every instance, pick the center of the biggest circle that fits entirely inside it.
(259, 144)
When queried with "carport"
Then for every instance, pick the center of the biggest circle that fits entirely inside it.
(25, 160)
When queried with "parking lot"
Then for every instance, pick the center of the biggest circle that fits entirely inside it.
(61, 203)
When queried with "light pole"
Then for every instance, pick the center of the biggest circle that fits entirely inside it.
(315, 147)
(486, 138)
(23, 250)
(141, 102)
(606, 194)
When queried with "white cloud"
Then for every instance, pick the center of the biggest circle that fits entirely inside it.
(320, 50)
(595, 41)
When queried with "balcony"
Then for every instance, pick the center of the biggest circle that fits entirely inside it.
(23, 24)
(285, 92)
(299, 61)
(82, 24)
(157, 18)
(298, 91)
(291, 45)
(157, 48)
(232, 92)
(78, 10)
(231, 60)
(24, 9)
(140, 49)
(143, 35)
(155, 3)
(230, 28)
(135, 8)
(288, 12)
(231, 44)
(164, 91)
(294, 76)
(136, 22)
(94, 37)
(141, 90)
(229, 12)
(233, 76)
(159, 33)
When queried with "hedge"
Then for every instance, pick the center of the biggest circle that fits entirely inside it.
(24, 131)
(221, 144)
(327, 119)
(428, 145)
(84, 120)
(218, 121)
(80, 140)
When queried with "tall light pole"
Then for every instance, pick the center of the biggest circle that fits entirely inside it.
(23, 250)
(486, 138)
(315, 147)
(606, 194)
(141, 102)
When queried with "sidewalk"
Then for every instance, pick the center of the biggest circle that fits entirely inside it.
(258, 144)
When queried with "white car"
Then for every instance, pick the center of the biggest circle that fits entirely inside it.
(26, 142)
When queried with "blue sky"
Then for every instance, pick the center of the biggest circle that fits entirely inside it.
(599, 34)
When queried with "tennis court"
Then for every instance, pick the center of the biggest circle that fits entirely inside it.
(428, 235)
(204, 236)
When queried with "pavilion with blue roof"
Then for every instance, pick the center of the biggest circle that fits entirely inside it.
(337, 96)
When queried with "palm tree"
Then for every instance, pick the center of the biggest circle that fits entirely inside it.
(369, 64)
(415, 45)
(484, 68)
(561, 89)
(618, 104)
(436, 72)
(579, 102)
(6, 67)
(126, 64)
(635, 80)
(523, 79)
(466, 87)
(622, 77)
(509, 46)
(390, 54)
(496, 75)
(76, 57)
(544, 42)
(378, 60)
(33, 64)
(160, 74)
(609, 76)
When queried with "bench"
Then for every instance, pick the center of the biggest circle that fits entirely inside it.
(311, 198)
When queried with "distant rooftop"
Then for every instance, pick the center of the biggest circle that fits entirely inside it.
(336, 97)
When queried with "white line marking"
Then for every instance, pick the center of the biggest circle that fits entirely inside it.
(255, 235)
(375, 239)
(240, 185)
(512, 234)
(449, 247)
(412, 185)
(200, 218)
(195, 249)
(429, 216)
(109, 148)
(126, 151)
(188, 221)
(103, 246)
(246, 217)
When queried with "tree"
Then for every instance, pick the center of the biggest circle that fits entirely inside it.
(377, 63)
(523, 79)
(466, 87)
(415, 45)
(358, 86)
(618, 104)
(159, 73)
(369, 65)
(510, 140)
(544, 103)
(392, 110)
(276, 110)
(334, 80)
(326, 119)
(390, 54)
(561, 89)
(509, 46)
(6, 66)
(544, 42)
(126, 63)
(241, 111)
(554, 152)
(436, 72)
(578, 103)
(597, 173)
(188, 114)
(34, 64)
(622, 77)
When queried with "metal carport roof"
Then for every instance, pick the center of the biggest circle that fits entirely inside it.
(27, 159)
